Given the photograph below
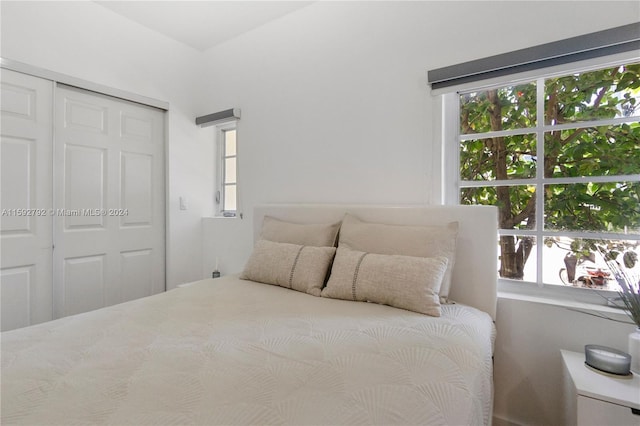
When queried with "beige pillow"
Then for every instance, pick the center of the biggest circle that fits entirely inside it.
(405, 282)
(316, 234)
(301, 268)
(406, 240)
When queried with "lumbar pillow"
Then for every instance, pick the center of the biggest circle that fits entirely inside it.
(405, 282)
(405, 240)
(301, 268)
(315, 234)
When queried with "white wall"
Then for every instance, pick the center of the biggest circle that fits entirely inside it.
(88, 41)
(336, 108)
(335, 101)
(527, 362)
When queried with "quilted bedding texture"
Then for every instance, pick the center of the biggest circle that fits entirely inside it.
(229, 351)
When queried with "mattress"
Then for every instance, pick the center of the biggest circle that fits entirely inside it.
(229, 351)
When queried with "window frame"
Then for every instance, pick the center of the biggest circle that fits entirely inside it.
(221, 183)
(451, 182)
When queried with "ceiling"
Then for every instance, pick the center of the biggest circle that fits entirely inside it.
(203, 24)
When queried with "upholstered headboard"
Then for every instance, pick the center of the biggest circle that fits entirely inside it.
(475, 269)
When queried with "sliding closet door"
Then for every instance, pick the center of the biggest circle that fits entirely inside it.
(25, 200)
(109, 200)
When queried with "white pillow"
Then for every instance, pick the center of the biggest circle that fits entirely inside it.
(301, 268)
(405, 282)
(405, 240)
(315, 234)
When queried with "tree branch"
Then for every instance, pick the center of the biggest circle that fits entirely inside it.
(528, 210)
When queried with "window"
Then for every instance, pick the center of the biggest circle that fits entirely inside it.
(560, 157)
(227, 188)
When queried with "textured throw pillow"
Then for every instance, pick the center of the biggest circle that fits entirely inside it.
(316, 234)
(301, 268)
(405, 282)
(406, 240)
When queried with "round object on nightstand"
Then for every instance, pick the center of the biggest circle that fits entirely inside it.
(607, 359)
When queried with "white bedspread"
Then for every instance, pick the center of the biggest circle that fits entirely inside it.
(228, 351)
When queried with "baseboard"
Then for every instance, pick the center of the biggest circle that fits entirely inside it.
(501, 421)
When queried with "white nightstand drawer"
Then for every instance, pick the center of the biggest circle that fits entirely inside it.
(592, 412)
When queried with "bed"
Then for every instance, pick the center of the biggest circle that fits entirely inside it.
(236, 351)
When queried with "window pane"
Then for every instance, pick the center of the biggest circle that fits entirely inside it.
(601, 207)
(593, 151)
(230, 197)
(601, 94)
(230, 170)
(505, 108)
(516, 203)
(517, 257)
(586, 262)
(512, 157)
(230, 143)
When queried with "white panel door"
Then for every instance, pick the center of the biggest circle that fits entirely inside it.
(109, 201)
(25, 200)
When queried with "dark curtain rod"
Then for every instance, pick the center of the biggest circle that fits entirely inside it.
(602, 43)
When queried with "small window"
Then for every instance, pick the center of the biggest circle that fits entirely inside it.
(227, 185)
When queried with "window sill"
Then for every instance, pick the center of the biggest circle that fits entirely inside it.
(587, 301)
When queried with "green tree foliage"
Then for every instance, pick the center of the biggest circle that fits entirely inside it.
(590, 150)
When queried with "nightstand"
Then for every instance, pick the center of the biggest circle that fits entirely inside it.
(595, 398)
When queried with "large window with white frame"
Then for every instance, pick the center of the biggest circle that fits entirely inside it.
(559, 156)
(227, 182)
